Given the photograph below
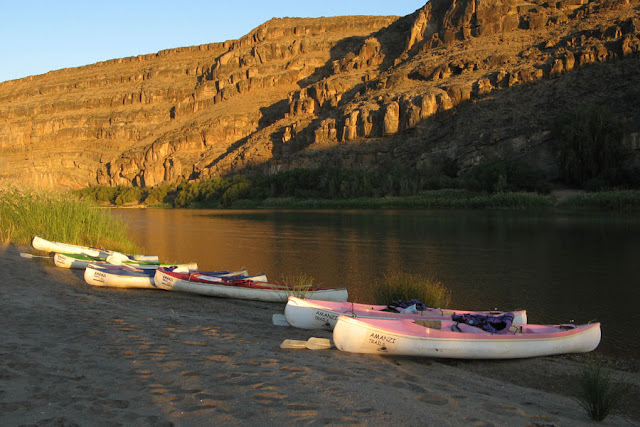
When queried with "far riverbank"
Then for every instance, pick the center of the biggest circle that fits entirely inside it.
(561, 199)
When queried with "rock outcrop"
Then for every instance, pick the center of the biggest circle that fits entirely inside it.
(465, 79)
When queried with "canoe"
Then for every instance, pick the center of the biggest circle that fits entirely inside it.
(203, 284)
(77, 261)
(313, 314)
(67, 248)
(124, 276)
(119, 276)
(450, 339)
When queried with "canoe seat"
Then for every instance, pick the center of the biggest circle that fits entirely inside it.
(433, 324)
(539, 329)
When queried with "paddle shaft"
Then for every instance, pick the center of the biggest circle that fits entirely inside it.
(25, 255)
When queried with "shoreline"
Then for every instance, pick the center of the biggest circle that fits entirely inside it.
(559, 200)
(74, 353)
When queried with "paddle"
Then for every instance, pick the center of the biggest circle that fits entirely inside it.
(26, 255)
(293, 344)
(312, 343)
(318, 343)
(280, 320)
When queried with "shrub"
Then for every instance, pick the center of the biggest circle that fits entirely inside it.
(128, 195)
(406, 287)
(185, 194)
(100, 193)
(157, 195)
(621, 179)
(587, 142)
(599, 394)
(501, 176)
(239, 188)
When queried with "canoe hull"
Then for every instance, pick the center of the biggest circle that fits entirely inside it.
(310, 314)
(96, 275)
(405, 338)
(80, 262)
(67, 248)
(165, 280)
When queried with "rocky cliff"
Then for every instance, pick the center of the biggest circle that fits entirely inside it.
(469, 80)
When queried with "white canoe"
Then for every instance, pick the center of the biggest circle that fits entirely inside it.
(124, 276)
(251, 289)
(77, 261)
(314, 314)
(119, 276)
(449, 339)
(67, 248)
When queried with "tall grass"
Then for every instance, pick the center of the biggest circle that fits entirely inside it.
(299, 284)
(405, 287)
(607, 200)
(600, 396)
(434, 199)
(26, 213)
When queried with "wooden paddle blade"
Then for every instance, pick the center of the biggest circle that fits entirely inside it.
(280, 320)
(314, 343)
(293, 344)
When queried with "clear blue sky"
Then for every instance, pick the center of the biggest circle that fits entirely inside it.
(43, 35)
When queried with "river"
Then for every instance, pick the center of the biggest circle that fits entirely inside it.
(561, 267)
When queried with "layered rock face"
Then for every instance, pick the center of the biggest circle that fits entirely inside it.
(462, 79)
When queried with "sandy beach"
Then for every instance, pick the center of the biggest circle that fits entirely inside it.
(73, 354)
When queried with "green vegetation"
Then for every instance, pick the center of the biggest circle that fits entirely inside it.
(589, 149)
(496, 185)
(609, 200)
(501, 176)
(300, 284)
(406, 286)
(454, 199)
(600, 396)
(58, 217)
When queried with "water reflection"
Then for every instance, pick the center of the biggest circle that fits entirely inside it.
(559, 267)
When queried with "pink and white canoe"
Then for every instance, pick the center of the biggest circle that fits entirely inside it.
(315, 314)
(449, 339)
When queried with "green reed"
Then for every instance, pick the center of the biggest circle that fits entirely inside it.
(434, 199)
(606, 200)
(599, 395)
(299, 284)
(26, 213)
(405, 287)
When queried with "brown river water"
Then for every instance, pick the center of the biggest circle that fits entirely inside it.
(560, 267)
